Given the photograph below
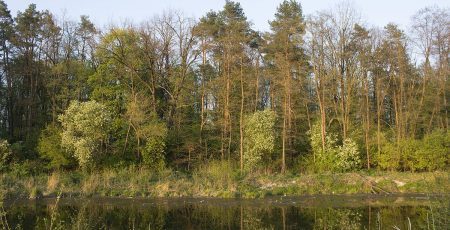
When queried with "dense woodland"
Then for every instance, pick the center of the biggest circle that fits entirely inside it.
(323, 92)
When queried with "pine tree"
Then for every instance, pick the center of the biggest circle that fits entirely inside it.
(287, 60)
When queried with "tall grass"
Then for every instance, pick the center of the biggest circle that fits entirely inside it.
(215, 179)
(53, 182)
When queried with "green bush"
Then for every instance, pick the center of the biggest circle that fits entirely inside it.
(154, 132)
(153, 154)
(333, 157)
(348, 156)
(85, 128)
(389, 157)
(5, 154)
(26, 168)
(433, 152)
(323, 159)
(49, 148)
(428, 154)
(259, 138)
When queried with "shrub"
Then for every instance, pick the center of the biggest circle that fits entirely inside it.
(26, 168)
(389, 157)
(334, 157)
(428, 154)
(153, 154)
(85, 127)
(5, 154)
(154, 133)
(49, 148)
(348, 156)
(433, 152)
(259, 138)
(322, 159)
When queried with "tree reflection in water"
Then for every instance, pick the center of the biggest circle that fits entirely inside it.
(226, 214)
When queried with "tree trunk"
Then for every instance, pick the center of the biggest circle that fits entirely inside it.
(241, 118)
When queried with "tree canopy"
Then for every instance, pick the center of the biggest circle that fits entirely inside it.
(320, 92)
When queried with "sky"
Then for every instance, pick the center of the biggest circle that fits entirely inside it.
(259, 12)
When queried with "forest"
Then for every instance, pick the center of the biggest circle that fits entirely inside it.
(317, 93)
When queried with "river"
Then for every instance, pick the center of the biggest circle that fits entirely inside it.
(308, 212)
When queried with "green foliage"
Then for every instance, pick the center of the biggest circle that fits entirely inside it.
(154, 133)
(109, 82)
(323, 159)
(5, 154)
(153, 154)
(26, 168)
(176, 89)
(428, 154)
(334, 157)
(391, 154)
(259, 138)
(49, 148)
(17, 148)
(85, 128)
(433, 152)
(348, 156)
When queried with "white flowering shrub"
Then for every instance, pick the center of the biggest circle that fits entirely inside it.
(259, 137)
(5, 154)
(334, 157)
(348, 156)
(85, 126)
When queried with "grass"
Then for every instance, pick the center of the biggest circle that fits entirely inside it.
(217, 179)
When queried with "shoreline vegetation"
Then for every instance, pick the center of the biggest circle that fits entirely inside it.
(218, 181)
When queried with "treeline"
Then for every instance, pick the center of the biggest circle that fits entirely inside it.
(317, 93)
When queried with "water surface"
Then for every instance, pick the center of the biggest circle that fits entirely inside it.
(313, 212)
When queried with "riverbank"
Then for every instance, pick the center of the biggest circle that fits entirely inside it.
(218, 182)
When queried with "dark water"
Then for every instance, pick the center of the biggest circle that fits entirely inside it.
(320, 212)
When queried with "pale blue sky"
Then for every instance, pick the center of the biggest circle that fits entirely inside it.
(102, 12)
